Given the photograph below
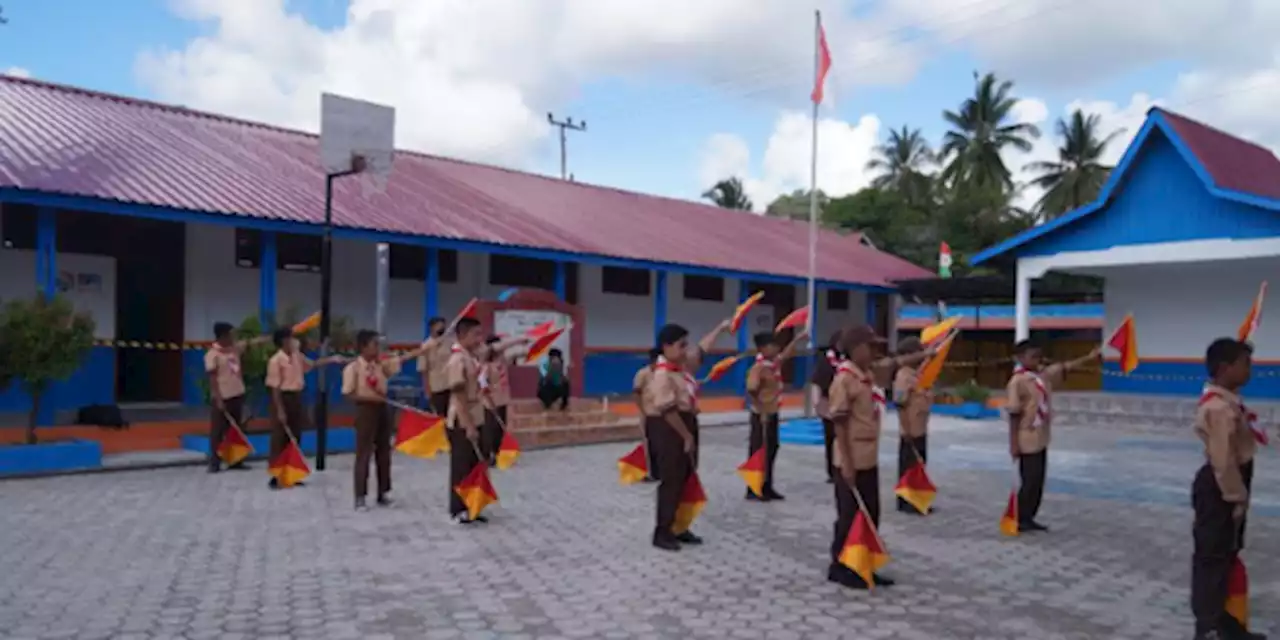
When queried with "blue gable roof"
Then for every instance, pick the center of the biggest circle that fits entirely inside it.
(1158, 171)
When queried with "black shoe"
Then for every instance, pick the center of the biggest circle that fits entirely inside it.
(755, 498)
(881, 581)
(239, 466)
(1231, 629)
(688, 538)
(666, 543)
(649, 480)
(214, 468)
(273, 484)
(361, 505)
(831, 480)
(770, 494)
(1026, 527)
(1210, 635)
(385, 501)
(844, 577)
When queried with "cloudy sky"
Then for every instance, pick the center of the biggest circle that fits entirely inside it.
(676, 93)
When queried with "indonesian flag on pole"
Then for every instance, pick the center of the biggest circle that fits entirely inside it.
(824, 65)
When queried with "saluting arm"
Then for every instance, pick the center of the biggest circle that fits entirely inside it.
(709, 341)
(793, 346)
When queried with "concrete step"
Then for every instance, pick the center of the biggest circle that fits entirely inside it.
(555, 419)
(576, 435)
(533, 405)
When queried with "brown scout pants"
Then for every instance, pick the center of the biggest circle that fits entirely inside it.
(218, 425)
(373, 442)
(295, 419)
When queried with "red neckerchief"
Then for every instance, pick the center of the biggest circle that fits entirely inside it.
(877, 394)
(1250, 417)
(773, 363)
(232, 356)
(1044, 408)
(691, 383)
(371, 374)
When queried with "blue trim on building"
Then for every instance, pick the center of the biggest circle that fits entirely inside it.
(267, 280)
(562, 280)
(928, 312)
(743, 337)
(430, 290)
(1173, 192)
(47, 252)
(659, 301)
(93, 383)
(111, 207)
(1184, 379)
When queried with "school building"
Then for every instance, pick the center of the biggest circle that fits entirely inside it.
(158, 220)
(1184, 232)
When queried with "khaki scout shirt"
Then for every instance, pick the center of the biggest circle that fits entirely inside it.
(1222, 424)
(287, 372)
(692, 362)
(224, 364)
(1029, 401)
(764, 385)
(667, 389)
(856, 415)
(638, 385)
(914, 404)
(462, 380)
(366, 380)
(432, 363)
(497, 386)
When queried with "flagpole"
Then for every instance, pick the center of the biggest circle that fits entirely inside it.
(811, 295)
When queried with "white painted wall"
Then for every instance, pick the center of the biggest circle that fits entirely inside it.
(219, 290)
(18, 279)
(1179, 309)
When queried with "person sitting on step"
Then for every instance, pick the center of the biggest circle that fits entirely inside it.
(553, 381)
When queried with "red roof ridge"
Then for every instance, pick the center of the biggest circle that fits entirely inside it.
(1192, 121)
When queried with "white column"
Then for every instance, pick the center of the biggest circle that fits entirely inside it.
(1022, 304)
(895, 307)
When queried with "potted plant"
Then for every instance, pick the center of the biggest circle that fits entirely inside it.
(43, 341)
(973, 400)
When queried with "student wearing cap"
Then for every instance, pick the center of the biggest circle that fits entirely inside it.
(226, 387)
(286, 378)
(431, 367)
(364, 382)
(856, 406)
(824, 370)
(466, 412)
(1030, 409)
(914, 406)
(764, 393)
(638, 384)
(669, 419)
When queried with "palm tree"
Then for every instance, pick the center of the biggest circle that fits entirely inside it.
(1076, 178)
(980, 132)
(901, 161)
(729, 194)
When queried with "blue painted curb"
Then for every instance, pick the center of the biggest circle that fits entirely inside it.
(49, 457)
(340, 440)
(968, 411)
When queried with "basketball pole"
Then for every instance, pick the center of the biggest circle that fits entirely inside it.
(326, 294)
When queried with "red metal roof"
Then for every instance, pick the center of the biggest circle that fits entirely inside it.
(67, 140)
(1232, 163)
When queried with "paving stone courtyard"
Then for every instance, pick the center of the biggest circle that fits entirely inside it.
(176, 553)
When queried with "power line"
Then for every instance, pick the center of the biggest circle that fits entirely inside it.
(566, 125)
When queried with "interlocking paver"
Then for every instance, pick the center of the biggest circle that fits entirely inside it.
(176, 553)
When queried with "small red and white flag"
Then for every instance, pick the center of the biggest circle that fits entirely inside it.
(824, 65)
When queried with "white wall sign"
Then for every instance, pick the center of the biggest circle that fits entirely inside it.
(518, 322)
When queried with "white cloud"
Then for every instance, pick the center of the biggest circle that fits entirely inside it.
(17, 72)
(843, 152)
(475, 79)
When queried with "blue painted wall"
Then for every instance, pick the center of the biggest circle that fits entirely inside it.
(1184, 378)
(1161, 200)
(929, 312)
(93, 383)
(612, 373)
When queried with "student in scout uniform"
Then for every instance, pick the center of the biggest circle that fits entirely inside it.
(1030, 412)
(226, 386)
(286, 378)
(669, 420)
(466, 411)
(431, 367)
(1220, 491)
(914, 406)
(764, 391)
(856, 406)
(638, 384)
(495, 391)
(824, 370)
(364, 382)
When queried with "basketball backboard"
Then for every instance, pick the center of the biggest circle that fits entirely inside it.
(351, 128)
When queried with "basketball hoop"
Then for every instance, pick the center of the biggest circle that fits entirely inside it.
(357, 137)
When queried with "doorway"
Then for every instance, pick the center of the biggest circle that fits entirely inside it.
(150, 287)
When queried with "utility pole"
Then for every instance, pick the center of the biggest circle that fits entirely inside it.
(567, 125)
